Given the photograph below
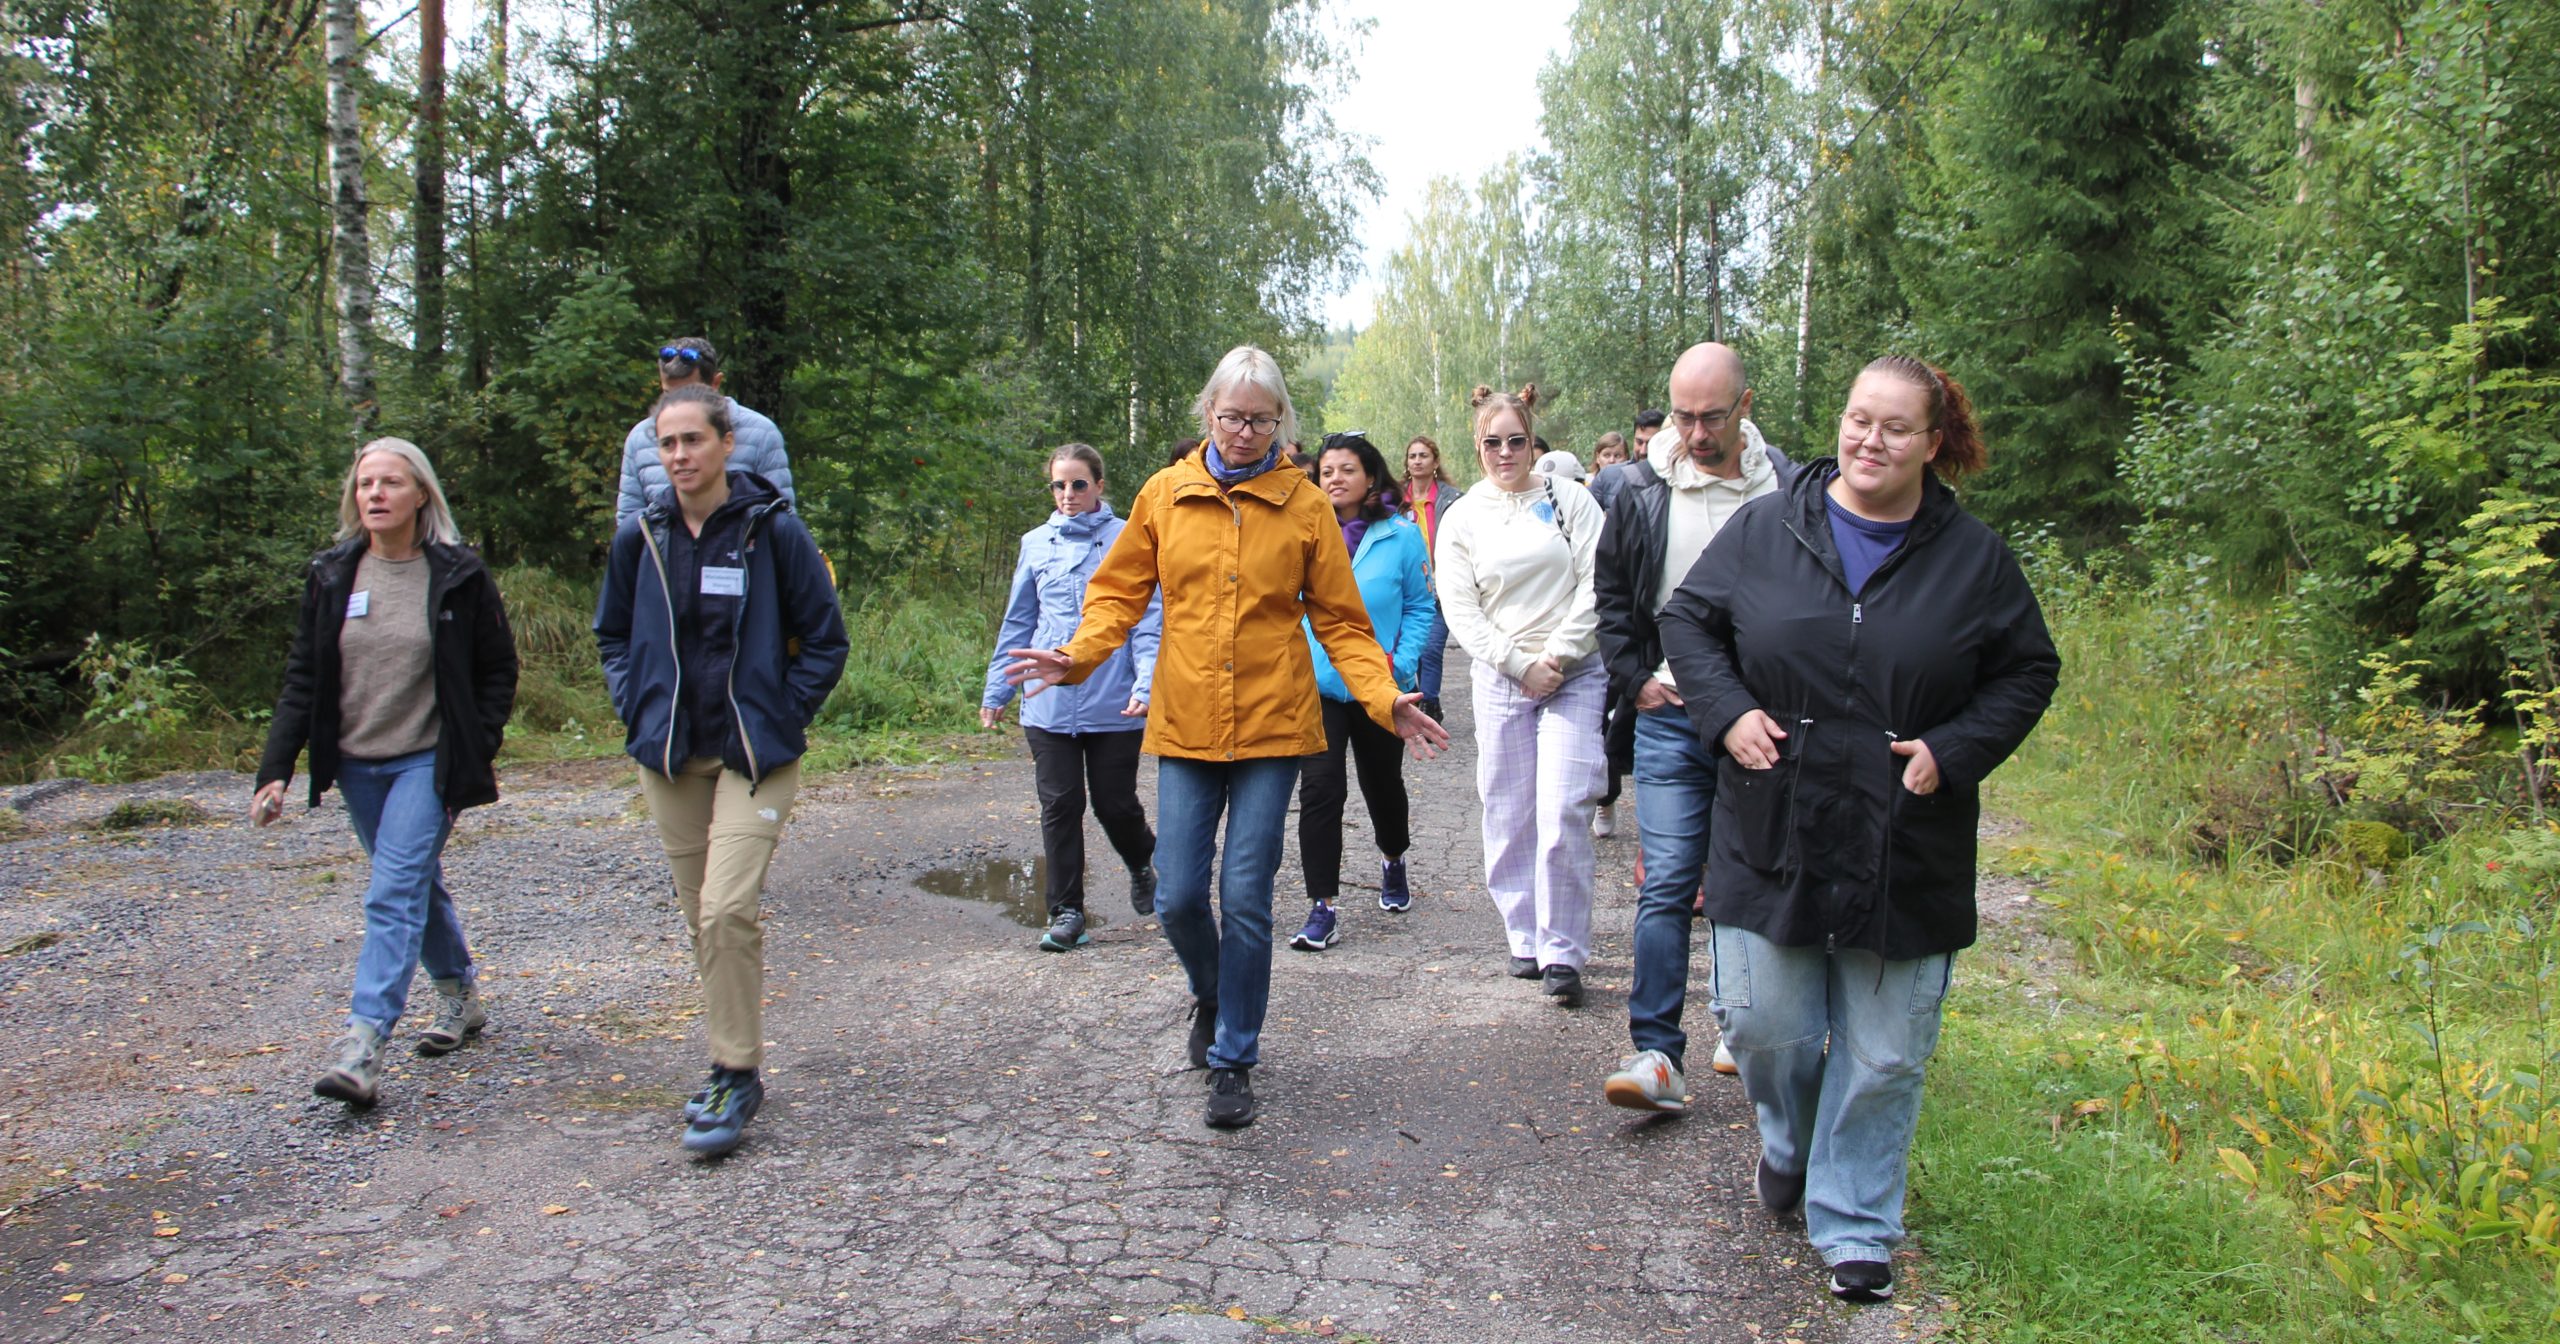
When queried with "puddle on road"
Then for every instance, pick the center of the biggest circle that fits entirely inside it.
(1019, 887)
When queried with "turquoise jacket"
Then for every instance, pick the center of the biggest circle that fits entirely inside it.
(1392, 569)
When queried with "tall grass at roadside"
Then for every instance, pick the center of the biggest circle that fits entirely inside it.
(2294, 1089)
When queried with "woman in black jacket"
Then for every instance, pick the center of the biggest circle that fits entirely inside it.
(400, 681)
(1862, 652)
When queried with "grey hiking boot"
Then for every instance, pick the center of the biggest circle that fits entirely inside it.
(355, 1075)
(459, 1017)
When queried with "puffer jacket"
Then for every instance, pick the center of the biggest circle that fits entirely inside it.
(1945, 644)
(788, 636)
(475, 674)
(1239, 569)
(1047, 599)
(1393, 571)
(759, 451)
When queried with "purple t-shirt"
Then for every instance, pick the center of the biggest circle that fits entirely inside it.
(1863, 543)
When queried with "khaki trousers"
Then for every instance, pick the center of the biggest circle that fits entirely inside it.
(719, 839)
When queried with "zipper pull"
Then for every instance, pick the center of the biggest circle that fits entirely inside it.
(1857, 613)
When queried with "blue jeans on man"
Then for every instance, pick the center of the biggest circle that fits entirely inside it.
(1675, 794)
(408, 915)
(1833, 1048)
(1226, 953)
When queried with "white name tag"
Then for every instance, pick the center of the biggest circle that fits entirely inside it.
(358, 604)
(723, 581)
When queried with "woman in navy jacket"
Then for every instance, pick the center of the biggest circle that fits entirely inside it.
(1861, 653)
(1089, 731)
(1393, 569)
(721, 638)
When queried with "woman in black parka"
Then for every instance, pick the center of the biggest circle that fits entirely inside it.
(1860, 652)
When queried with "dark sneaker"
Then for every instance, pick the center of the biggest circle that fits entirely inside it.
(1066, 932)
(355, 1075)
(1323, 930)
(1783, 1193)
(459, 1017)
(702, 1095)
(1231, 1104)
(1204, 1031)
(1862, 1281)
(1142, 890)
(1431, 706)
(1524, 968)
(1564, 985)
(1395, 895)
(735, 1098)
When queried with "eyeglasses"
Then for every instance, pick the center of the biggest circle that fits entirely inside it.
(689, 356)
(1261, 424)
(1897, 438)
(1061, 487)
(1712, 422)
(1504, 446)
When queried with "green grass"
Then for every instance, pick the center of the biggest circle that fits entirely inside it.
(2278, 1096)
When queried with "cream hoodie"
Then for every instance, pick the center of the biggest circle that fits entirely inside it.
(1701, 504)
(1513, 587)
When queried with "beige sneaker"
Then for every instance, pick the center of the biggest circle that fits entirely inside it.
(354, 1077)
(1604, 821)
(1724, 1061)
(459, 1017)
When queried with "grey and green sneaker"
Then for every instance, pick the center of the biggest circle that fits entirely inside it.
(1066, 932)
(356, 1075)
(459, 1017)
(736, 1096)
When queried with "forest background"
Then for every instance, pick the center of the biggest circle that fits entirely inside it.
(2257, 298)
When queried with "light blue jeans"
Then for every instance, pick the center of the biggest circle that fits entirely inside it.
(408, 915)
(1675, 794)
(1226, 953)
(1844, 1117)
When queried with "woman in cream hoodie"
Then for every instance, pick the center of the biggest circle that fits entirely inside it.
(1514, 559)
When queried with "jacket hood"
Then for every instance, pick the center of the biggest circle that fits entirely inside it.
(1272, 487)
(1666, 457)
(1488, 495)
(1082, 526)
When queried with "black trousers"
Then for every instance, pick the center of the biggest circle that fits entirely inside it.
(1618, 733)
(1061, 765)
(1323, 788)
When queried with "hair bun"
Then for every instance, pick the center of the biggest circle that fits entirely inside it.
(1480, 396)
(1529, 396)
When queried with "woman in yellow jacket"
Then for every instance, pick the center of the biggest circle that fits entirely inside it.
(1243, 546)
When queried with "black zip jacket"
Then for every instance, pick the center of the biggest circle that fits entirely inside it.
(1630, 570)
(475, 674)
(1944, 644)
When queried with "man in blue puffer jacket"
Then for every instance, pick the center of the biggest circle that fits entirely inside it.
(683, 362)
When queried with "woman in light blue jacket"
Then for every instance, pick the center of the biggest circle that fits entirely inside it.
(1392, 566)
(1085, 732)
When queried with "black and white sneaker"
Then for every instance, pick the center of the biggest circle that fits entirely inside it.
(1523, 968)
(1231, 1104)
(1563, 984)
(1783, 1193)
(1862, 1281)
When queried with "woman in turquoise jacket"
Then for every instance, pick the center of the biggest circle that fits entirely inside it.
(1391, 563)
(1086, 733)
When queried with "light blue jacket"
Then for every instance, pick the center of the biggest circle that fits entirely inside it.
(759, 450)
(1058, 559)
(1393, 570)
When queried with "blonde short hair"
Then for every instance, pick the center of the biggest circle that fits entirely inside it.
(1254, 366)
(435, 521)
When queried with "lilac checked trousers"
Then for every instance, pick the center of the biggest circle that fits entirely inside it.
(1539, 765)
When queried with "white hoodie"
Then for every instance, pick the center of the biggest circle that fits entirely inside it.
(1701, 504)
(1514, 573)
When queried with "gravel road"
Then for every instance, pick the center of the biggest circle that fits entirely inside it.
(966, 1139)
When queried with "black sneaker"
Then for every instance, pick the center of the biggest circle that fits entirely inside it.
(1564, 985)
(1066, 932)
(1204, 1031)
(1524, 968)
(1431, 706)
(1231, 1104)
(1779, 1191)
(1862, 1281)
(1142, 890)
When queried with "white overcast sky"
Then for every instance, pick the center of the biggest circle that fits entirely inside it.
(1440, 87)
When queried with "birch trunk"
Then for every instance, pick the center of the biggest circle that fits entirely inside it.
(354, 250)
(429, 219)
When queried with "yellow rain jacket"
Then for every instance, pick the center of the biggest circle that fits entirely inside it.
(1234, 680)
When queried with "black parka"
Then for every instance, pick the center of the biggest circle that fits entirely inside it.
(1944, 644)
(475, 674)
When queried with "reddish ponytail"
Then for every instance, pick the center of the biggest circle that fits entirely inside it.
(1960, 449)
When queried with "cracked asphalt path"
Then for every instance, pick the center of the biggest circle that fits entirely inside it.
(965, 1139)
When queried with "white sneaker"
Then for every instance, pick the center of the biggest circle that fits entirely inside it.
(1724, 1061)
(1646, 1081)
(1604, 821)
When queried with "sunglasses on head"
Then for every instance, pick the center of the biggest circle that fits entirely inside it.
(689, 356)
(1345, 438)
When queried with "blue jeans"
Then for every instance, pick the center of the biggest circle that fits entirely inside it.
(1844, 1117)
(408, 915)
(1675, 796)
(1226, 954)
(1435, 652)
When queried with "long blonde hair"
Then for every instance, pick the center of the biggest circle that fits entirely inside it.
(435, 520)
